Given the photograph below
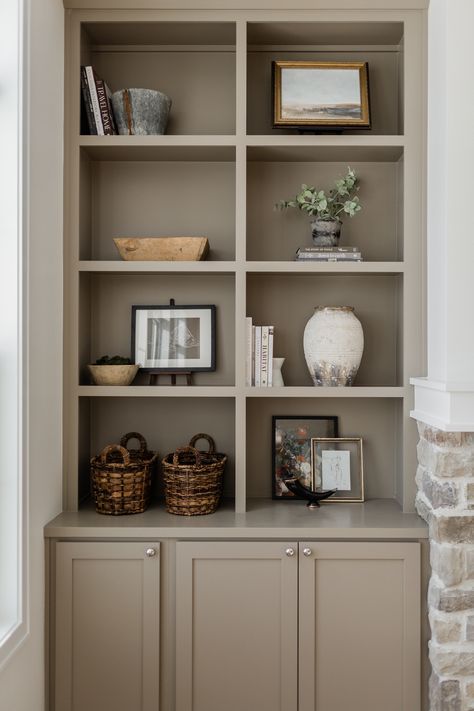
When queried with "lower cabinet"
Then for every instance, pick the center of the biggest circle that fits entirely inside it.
(236, 626)
(106, 602)
(298, 626)
(260, 626)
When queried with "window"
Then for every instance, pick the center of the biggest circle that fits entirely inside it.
(12, 556)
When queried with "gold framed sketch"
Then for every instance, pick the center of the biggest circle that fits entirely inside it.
(321, 94)
(338, 463)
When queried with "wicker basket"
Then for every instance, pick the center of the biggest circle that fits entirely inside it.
(121, 481)
(139, 455)
(193, 479)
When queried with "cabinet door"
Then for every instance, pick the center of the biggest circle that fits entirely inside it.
(107, 626)
(359, 628)
(236, 619)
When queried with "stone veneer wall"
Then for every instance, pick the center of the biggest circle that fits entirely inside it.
(445, 499)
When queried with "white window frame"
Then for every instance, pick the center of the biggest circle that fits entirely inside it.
(14, 621)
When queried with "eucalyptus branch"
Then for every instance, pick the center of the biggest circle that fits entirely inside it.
(327, 207)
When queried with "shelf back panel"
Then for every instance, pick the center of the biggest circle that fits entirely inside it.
(166, 424)
(375, 420)
(111, 300)
(275, 235)
(150, 199)
(287, 302)
(200, 84)
(384, 80)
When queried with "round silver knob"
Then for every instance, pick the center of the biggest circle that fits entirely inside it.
(150, 552)
(290, 552)
(307, 552)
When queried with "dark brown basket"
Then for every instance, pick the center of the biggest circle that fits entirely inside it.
(139, 455)
(120, 485)
(193, 479)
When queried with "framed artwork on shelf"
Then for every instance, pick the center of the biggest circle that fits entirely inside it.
(174, 338)
(291, 448)
(337, 463)
(321, 94)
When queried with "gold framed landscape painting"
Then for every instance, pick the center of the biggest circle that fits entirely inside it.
(321, 94)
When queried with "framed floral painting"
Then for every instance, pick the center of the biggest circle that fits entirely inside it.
(292, 451)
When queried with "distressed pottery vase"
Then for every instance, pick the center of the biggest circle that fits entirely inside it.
(277, 376)
(333, 345)
(326, 233)
(140, 112)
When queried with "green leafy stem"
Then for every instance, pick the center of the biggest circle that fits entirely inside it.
(339, 201)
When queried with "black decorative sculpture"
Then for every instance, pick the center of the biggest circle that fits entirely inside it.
(314, 497)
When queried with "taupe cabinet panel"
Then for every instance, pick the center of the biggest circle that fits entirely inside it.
(236, 626)
(107, 627)
(349, 611)
(359, 628)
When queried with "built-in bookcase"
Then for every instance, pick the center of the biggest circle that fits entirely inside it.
(218, 172)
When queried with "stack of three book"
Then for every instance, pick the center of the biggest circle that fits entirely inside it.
(328, 254)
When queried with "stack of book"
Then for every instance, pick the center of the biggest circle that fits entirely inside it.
(96, 108)
(328, 254)
(259, 358)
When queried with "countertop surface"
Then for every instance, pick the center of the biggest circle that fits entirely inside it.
(377, 519)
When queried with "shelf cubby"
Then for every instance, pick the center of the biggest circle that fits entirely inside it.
(287, 301)
(163, 196)
(378, 43)
(377, 420)
(105, 316)
(277, 172)
(193, 63)
(166, 423)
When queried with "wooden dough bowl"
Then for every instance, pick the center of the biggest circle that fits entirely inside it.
(163, 249)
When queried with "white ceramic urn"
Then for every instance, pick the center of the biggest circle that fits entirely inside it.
(333, 345)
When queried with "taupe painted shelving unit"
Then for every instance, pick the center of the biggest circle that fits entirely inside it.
(218, 173)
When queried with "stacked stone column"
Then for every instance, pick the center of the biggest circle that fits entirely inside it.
(445, 499)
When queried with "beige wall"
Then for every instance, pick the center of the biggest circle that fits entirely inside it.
(22, 677)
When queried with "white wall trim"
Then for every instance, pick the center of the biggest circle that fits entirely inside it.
(448, 407)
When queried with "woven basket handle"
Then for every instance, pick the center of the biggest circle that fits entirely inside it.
(201, 435)
(115, 448)
(134, 435)
(196, 453)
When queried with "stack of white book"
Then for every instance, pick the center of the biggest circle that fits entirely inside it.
(328, 254)
(259, 355)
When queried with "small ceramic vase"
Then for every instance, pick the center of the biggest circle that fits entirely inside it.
(326, 233)
(277, 376)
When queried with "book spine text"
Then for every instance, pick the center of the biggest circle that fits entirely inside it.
(258, 356)
(94, 100)
(264, 376)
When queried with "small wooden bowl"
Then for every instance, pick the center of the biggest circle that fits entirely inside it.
(113, 374)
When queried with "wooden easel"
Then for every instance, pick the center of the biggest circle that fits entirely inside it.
(154, 375)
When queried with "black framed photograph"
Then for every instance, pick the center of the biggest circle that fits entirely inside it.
(173, 338)
(321, 94)
(338, 463)
(291, 448)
